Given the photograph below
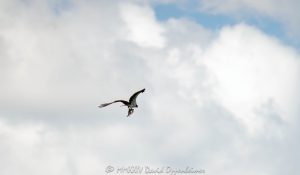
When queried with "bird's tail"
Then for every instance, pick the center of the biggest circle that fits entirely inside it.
(130, 111)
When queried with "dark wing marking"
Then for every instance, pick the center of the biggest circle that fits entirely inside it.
(122, 101)
(106, 104)
(133, 97)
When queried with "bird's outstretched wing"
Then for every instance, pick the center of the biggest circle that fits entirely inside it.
(106, 104)
(133, 97)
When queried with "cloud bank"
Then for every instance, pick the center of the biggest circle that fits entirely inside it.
(224, 101)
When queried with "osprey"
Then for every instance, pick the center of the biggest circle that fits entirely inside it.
(130, 104)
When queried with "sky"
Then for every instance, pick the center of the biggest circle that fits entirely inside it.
(221, 80)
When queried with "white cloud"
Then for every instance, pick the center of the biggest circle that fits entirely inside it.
(141, 26)
(252, 70)
(224, 101)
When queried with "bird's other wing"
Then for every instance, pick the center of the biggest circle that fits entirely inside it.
(133, 97)
(106, 104)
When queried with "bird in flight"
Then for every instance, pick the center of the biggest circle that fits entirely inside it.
(130, 104)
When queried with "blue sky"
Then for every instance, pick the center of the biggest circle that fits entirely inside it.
(213, 21)
(166, 11)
